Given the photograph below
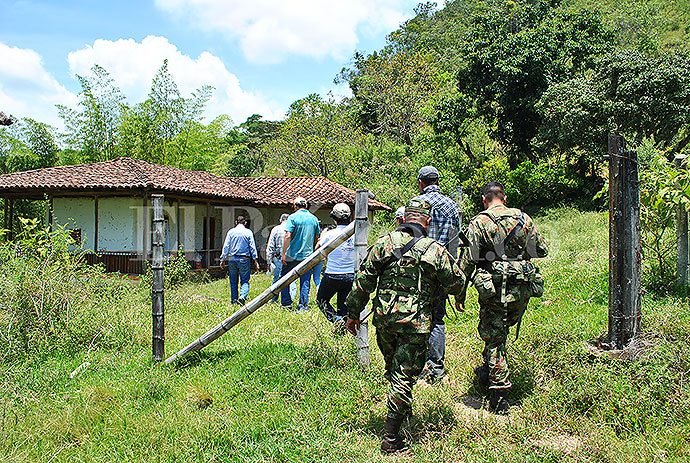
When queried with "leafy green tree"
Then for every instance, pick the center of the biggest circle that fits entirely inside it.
(315, 137)
(94, 128)
(27, 144)
(514, 54)
(643, 96)
(390, 91)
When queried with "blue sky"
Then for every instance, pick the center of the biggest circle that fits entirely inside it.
(261, 56)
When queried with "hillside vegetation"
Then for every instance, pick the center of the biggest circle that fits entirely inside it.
(279, 387)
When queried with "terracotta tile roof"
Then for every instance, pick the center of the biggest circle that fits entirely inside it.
(123, 174)
(280, 191)
(134, 174)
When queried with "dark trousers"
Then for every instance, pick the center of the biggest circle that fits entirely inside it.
(437, 341)
(332, 284)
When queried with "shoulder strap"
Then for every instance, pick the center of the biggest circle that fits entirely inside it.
(515, 230)
(399, 252)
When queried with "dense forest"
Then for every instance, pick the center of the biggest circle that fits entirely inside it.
(524, 92)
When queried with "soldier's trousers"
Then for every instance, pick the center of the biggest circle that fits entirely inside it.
(495, 319)
(404, 355)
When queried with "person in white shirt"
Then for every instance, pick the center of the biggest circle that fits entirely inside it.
(340, 269)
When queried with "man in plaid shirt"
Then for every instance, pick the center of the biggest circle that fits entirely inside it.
(444, 228)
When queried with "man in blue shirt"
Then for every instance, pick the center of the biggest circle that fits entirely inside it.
(239, 249)
(302, 232)
(444, 228)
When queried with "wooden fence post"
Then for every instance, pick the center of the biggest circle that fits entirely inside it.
(157, 289)
(682, 234)
(361, 243)
(624, 244)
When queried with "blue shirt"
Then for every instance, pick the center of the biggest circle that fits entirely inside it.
(303, 227)
(239, 242)
(445, 215)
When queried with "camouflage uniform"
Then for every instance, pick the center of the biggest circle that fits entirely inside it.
(407, 290)
(505, 279)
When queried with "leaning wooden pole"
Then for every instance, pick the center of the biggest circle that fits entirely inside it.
(682, 236)
(273, 290)
(625, 299)
(361, 243)
(157, 286)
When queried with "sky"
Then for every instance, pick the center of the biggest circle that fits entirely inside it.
(259, 55)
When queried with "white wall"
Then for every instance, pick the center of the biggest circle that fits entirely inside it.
(120, 223)
(76, 213)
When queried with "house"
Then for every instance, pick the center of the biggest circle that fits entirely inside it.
(106, 206)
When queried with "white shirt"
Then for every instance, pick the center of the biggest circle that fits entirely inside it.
(341, 259)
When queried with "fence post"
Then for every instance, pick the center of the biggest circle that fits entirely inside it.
(361, 242)
(682, 234)
(624, 244)
(157, 288)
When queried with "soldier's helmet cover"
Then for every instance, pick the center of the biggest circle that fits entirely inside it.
(419, 206)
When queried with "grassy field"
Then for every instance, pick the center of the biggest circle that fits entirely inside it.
(279, 387)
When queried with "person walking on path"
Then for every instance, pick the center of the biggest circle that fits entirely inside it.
(498, 262)
(274, 249)
(444, 228)
(302, 232)
(239, 250)
(340, 269)
(406, 270)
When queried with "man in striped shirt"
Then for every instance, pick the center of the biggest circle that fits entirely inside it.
(444, 227)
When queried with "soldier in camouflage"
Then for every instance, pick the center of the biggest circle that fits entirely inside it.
(407, 269)
(498, 262)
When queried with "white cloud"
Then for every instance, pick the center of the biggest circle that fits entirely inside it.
(269, 30)
(27, 89)
(133, 66)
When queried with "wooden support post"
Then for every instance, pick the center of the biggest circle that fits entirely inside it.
(361, 243)
(50, 213)
(177, 219)
(157, 287)
(145, 246)
(208, 235)
(10, 224)
(95, 224)
(624, 245)
(683, 239)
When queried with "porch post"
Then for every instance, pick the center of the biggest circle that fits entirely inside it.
(95, 223)
(208, 234)
(50, 213)
(145, 249)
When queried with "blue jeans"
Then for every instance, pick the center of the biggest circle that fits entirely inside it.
(277, 269)
(304, 283)
(316, 270)
(239, 267)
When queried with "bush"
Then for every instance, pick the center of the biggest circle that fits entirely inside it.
(52, 300)
(544, 183)
(176, 272)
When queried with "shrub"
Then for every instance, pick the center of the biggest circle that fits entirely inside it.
(52, 300)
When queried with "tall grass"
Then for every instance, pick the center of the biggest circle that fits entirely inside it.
(279, 387)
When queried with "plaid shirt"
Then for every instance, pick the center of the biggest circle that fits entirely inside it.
(274, 247)
(445, 215)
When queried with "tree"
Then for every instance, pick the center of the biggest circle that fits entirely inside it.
(162, 128)
(642, 96)
(514, 54)
(315, 136)
(28, 144)
(390, 90)
(94, 130)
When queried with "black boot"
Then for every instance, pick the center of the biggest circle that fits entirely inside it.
(482, 372)
(392, 441)
(498, 403)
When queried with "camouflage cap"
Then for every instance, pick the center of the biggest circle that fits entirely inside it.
(419, 206)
